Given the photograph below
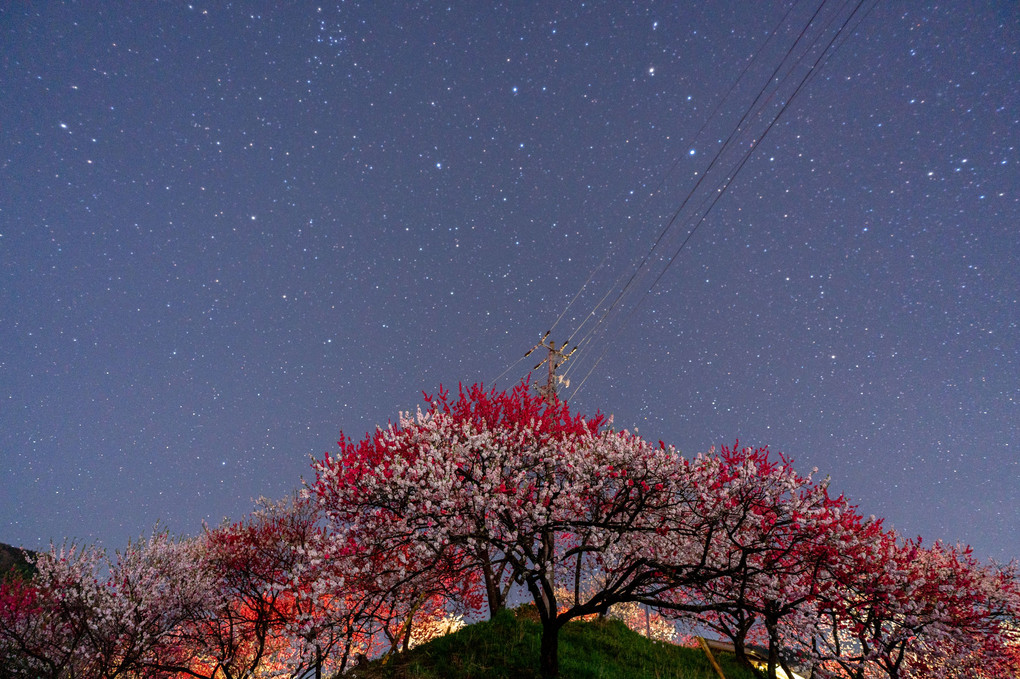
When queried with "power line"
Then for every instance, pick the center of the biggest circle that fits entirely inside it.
(656, 190)
(713, 199)
(757, 106)
(644, 262)
(792, 59)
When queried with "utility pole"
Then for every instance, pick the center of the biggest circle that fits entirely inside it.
(554, 359)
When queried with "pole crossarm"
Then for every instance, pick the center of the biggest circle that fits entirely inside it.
(555, 357)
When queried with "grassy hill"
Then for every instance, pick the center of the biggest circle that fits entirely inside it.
(507, 648)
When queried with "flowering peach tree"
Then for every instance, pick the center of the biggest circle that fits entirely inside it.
(787, 539)
(907, 610)
(86, 615)
(525, 492)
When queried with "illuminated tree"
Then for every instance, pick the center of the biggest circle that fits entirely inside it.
(785, 538)
(508, 478)
(289, 600)
(904, 610)
(84, 615)
(33, 641)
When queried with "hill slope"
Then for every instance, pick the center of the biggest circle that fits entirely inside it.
(12, 561)
(507, 648)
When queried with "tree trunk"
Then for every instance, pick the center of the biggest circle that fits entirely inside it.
(492, 590)
(544, 596)
(549, 658)
(406, 643)
(786, 666)
(739, 653)
(736, 631)
(773, 631)
(577, 580)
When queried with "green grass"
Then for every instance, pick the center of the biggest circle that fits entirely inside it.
(507, 648)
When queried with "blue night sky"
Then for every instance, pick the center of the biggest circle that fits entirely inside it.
(228, 231)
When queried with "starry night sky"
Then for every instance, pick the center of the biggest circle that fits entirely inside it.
(228, 232)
